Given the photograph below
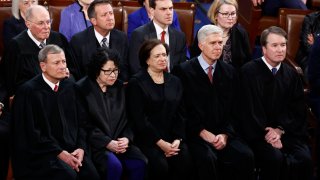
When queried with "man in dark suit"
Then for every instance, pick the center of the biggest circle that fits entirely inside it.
(21, 56)
(48, 136)
(102, 33)
(210, 88)
(159, 28)
(274, 114)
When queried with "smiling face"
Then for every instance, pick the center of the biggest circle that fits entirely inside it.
(104, 21)
(211, 47)
(275, 49)
(158, 58)
(226, 16)
(163, 13)
(39, 23)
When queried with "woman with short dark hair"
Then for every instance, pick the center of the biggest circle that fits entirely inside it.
(154, 97)
(110, 138)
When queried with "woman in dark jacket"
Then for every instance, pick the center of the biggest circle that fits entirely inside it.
(236, 49)
(110, 138)
(154, 98)
(309, 30)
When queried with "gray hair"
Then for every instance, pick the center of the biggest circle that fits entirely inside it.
(29, 12)
(207, 30)
(48, 49)
(15, 8)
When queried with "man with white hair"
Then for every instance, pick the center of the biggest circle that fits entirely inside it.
(21, 55)
(210, 89)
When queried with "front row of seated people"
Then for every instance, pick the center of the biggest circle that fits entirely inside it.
(190, 124)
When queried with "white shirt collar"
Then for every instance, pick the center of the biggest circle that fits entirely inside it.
(269, 66)
(159, 31)
(203, 63)
(100, 37)
(49, 82)
(34, 39)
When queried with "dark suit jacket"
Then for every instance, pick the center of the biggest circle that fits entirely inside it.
(177, 45)
(140, 17)
(208, 106)
(84, 44)
(21, 59)
(155, 115)
(240, 47)
(11, 28)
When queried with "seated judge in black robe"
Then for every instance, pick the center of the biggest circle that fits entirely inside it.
(210, 88)
(110, 137)
(48, 137)
(274, 113)
(21, 55)
(154, 97)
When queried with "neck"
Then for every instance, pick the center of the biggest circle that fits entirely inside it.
(225, 32)
(157, 76)
(102, 86)
(163, 26)
(102, 32)
(22, 15)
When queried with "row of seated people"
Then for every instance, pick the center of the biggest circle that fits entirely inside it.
(226, 11)
(184, 122)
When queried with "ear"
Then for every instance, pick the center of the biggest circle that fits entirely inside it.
(43, 66)
(200, 45)
(264, 49)
(93, 21)
(28, 24)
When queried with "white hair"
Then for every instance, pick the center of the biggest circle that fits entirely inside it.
(207, 30)
(15, 8)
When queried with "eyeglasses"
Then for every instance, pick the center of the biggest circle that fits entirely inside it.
(227, 15)
(42, 23)
(109, 72)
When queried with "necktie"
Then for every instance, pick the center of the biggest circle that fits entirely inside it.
(42, 45)
(274, 71)
(55, 89)
(210, 73)
(104, 42)
(163, 33)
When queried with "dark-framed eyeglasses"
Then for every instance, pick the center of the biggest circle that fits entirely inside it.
(110, 71)
(227, 15)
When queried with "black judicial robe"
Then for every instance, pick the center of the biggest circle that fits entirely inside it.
(44, 123)
(21, 59)
(155, 115)
(208, 106)
(272, 101)
(106, 118)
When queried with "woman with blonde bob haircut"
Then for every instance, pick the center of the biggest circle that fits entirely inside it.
(16, 24)
(236, 50)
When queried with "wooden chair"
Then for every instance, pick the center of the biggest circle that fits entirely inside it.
(253, 21)
(291, 21)
(55, 14)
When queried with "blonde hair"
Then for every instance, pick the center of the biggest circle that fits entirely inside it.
(15, 8)
(215, 7)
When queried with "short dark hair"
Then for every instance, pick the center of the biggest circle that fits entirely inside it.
(146, 48)
(271, 30)
(101, 57)
(152, 3)
(92, 6)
